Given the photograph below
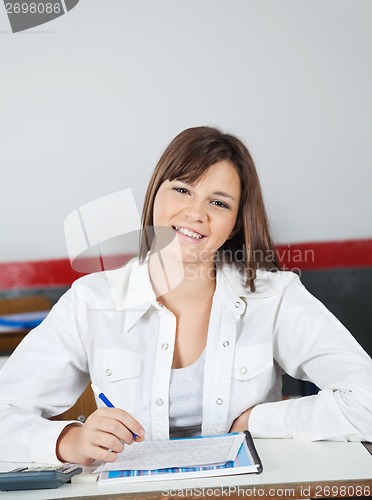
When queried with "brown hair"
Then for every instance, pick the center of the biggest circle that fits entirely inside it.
(188, 157)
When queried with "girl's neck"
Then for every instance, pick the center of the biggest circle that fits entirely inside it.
(184, 283)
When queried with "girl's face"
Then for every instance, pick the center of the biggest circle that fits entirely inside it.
(200, 215)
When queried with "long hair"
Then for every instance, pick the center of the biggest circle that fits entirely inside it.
(187, 158)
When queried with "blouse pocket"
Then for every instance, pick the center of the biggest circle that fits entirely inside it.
(252, 360)
(119, 364)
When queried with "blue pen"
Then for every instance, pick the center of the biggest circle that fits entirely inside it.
(106, 401)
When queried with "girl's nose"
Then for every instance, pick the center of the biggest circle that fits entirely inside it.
(195, 211)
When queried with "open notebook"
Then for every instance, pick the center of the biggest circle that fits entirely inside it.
(246, 461)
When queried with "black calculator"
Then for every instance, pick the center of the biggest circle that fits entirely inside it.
(37, 478)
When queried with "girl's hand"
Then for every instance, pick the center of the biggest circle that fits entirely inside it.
(101, 437)
(240, 424)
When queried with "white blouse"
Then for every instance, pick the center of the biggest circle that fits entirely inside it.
(110, 328)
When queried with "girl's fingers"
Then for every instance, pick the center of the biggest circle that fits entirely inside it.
(118, 422)
(102, 437)
(108, 442)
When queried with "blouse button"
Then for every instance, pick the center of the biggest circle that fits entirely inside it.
(159, 402)
(243, 370)
(219, 401)
(226, 343)
(165, 346)
(237, 304)
(108, 372)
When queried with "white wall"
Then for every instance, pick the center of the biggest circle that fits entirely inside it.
(89, 101)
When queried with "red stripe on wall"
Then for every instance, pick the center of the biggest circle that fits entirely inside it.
(326, 255)
(43, 273)
(57, 272)
(319, 255)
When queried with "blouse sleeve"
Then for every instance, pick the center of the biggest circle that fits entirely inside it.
(42, 378)
(311, 344)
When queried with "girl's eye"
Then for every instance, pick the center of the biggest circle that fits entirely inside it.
(219, 203)
(181, 190)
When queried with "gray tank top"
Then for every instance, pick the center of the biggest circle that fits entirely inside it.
(186, 399)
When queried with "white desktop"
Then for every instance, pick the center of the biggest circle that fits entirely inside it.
(288, 464)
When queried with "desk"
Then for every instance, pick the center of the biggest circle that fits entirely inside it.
(292, 469)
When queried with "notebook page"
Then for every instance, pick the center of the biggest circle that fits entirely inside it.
(150, 455)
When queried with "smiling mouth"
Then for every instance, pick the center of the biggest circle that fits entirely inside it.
(187, 232)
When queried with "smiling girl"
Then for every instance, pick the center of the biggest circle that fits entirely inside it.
(193, 336)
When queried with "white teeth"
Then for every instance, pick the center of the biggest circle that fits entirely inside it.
(186, 232)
